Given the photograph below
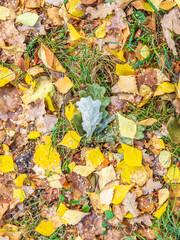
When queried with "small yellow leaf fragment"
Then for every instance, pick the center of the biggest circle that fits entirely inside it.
(173, 175)
(45, 228)
(178, 89)
(120, 192)
(118, 53)
(83, 170)
(73, 8)
(29, 80)
(70, 110)
(129, 215)
(6, 76)
(165, 87)
(20, 194)
(132, 156)
(163, 195)
(127, 127)
(47, 157)
(71, 140)
(4, 13)
(20, 179)
(5, 148)
(62, 209)
(94, 157)
(33, 135)
(74, 35)
(124, 70)
(160, 211)
(101, 31)
(6, 164)
(64, 85)
(178, 3)
(72, 217)
(71, 166)
(49, 103)
(147, 122)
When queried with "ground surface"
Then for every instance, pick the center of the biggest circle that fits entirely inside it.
(89, 119)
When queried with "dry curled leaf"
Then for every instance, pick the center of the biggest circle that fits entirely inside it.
(151, 186)
(130, 203)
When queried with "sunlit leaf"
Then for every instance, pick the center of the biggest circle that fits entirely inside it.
(94, 157)
(160, 211)
(61, 209)
(120, 192)
(165, 87)
(6, 163)
(19, 193)
(20, 179)
(6, 76)
(124, 70)
(74, 35)
(71, 140)
(45, 228)
(33, 135)
(73, 8)
(64, 85)
(132, 156)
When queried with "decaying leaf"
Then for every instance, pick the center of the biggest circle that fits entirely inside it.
(173, 175)
(64, 85)
(125, 70)
(147, 122)
(6, 75)
(165, 158)
(151, 186)
(130, 203)
(83, 170)
(106, 175)
(120, 192)
(96, 203)
(4, 12)
(140, 177)
(145, 218)
(106, 196)
(173, 128)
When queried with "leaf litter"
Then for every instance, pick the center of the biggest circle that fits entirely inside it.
(73, 153)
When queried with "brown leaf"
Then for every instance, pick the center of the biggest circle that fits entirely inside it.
(130, 203)
(171, 22)
(145, 218)
(119, 211)
(151, 186)
(146, 204)
(53, 14)
(147, 233)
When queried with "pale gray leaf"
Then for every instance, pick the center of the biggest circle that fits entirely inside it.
(90, 114)
(130, 203)
(150, 186)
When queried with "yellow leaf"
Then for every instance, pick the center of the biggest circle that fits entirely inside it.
(156, 3)
(165, 158)
(33, 135)
(173, 175)
(73, 8)
(165, 87)
(178, 89)
(62, 209)
(49, 103)
(23, 87)
(178, 3)
(29, 80)
(6, 163)
(132, 156)
(144, 52)
(71, 166)
(78, 238)
(4, 13)
(54, 181)
(74, 35)
(120, 192)
(127, 127)
(128, 84)
(47, 157)
(124, 70)
(94, 157)
(97, 205)
(70, 110)
(147, 122)
(64, 85)
(6, 76)
(20, 179)
(72, 217)
(19, 193)
(129, 215)
(168, 4)
(101, 31)
(126, 171)
(160, 211)
(118, 53)
(71, 140)
(45, 228)
(83, 170)
(5, 148)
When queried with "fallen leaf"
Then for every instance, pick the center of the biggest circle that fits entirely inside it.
(161, 210)
(167, 5)
(54, 181)
(163, 195)
(84, 171)
(124, 70)
(132, 156)
(130, 203)
(53, 14)
(62, 209)
(96, 203)
(19, 194)
(127, 127)
(106, 175)
(51, 214)
(4, 13)
(156, 3)
(74, 8)
(140, 177)
(45, 228)
(151, 186)
(127, 84)
(29, 80)
(165, 87)
(20, 179)
(101, 31)
(54, 2)
(49, 59)
(120, 192)
(106, 196)
(165, 158)
(74, 35)
(147, 122)
(6, 76)
(171, 23)
(71, 140)
(6, 164)
(47, 157)
(28, 19)
(173, 175)
(141, 4)
(33, 135)
(72, 217)
(94, 157)
(63, 85)
(173, 128)
(11, 231)
(145, 218)
(70, 110)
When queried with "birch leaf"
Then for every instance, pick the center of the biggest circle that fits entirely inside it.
(120, 192)
(90, 114)
(45, 228)
(94, 157)
(71, 140)
(132, 156)
(6, 76)
(6, 164)
(4, 13)
(127, 127)
(72, 217)
(28, 19)
(124, 70)
(160, 211)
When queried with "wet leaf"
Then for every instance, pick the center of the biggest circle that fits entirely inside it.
(71, 140)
